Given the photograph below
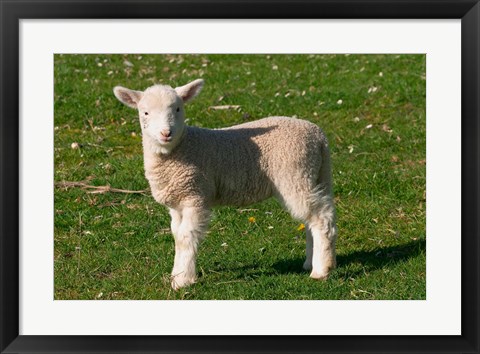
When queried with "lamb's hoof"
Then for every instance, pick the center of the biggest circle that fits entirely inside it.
(307, 265)
(322, 275)
(179, 281)
(321, 272)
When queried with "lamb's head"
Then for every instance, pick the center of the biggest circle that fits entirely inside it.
(161, 112)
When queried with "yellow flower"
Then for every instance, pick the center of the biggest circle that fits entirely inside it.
(301, 227)
(251, 219)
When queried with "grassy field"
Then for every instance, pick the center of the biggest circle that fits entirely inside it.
(114, 245)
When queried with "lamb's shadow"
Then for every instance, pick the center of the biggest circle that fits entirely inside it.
(349, 265)
(367, 260)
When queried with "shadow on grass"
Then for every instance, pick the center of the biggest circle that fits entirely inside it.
(366, 260)
(348, 265)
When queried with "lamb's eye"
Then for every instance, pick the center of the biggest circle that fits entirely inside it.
(178, 109)
(146, 113)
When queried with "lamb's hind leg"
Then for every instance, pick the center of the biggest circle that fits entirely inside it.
(317, 210)
(188, 236)
(324, 236)
(309, 250)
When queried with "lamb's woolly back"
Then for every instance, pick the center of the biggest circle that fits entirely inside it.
(239, 165)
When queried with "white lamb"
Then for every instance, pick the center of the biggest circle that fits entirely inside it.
(192, 169)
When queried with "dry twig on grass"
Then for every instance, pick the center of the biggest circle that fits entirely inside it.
(96, 189)
(224, 107)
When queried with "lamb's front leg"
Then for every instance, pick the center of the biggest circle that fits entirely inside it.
(189, 234)
(176, 216)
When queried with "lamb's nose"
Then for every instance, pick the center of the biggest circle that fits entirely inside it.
(166, 133)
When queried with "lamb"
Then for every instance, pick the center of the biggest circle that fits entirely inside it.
(192, 169)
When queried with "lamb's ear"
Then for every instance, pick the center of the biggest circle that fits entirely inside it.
(189, 91)
(127, 96)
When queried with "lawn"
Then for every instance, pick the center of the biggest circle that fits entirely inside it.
(117, 245)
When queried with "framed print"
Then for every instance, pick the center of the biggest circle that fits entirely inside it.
(239, 177)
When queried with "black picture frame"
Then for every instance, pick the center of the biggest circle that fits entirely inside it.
(13, 11)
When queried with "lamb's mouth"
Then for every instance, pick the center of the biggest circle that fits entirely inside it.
(165, 140)
(165, 136)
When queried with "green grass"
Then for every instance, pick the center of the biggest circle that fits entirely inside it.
(118, 246)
